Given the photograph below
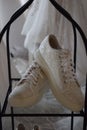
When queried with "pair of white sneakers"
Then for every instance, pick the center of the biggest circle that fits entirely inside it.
(55, 64)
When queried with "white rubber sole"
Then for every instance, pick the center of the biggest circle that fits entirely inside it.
(57, 92)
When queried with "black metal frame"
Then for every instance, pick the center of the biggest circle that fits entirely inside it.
(76, 28)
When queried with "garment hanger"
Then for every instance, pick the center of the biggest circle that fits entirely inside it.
(58, 7)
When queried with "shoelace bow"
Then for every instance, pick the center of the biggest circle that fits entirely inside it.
(67, 66)
(32, 74)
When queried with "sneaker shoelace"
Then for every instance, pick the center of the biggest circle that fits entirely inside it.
(32, 75)
(67, 66)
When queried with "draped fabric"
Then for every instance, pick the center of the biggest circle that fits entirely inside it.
(44, 19)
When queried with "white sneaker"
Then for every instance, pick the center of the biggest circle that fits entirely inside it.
(57, 65)
(29, 89)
